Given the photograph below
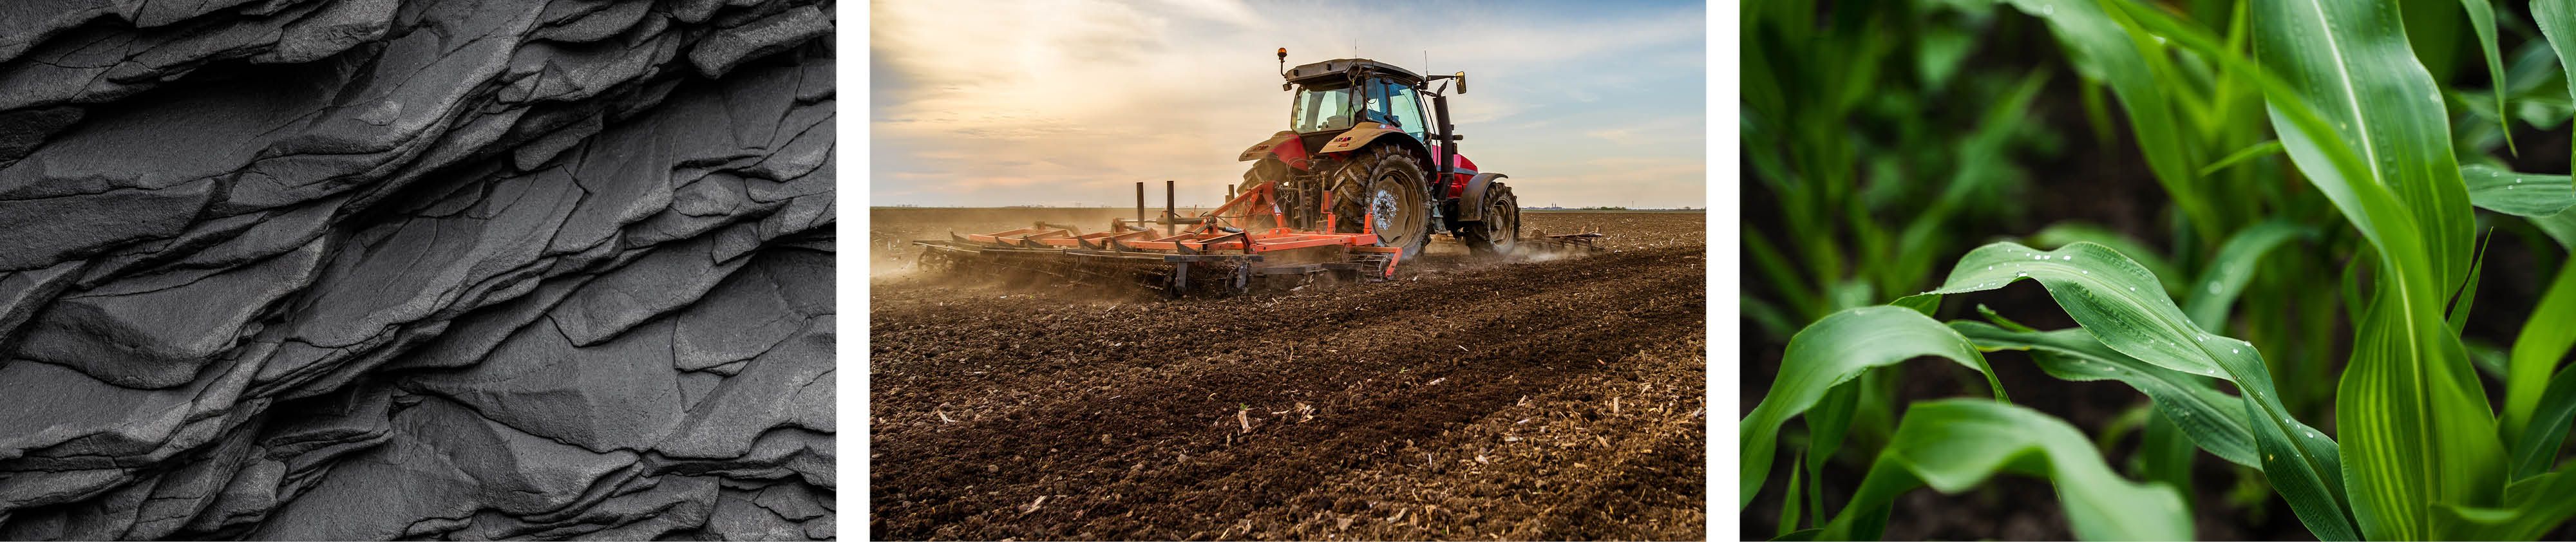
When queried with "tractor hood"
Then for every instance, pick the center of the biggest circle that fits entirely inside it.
(1292, 147)
(1285, 144)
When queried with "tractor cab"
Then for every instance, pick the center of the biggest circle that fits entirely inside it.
(1337, 95)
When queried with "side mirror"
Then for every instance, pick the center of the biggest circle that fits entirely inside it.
(1462, 82)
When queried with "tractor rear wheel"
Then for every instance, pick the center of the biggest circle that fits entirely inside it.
(1384, 184)
(1500, 231)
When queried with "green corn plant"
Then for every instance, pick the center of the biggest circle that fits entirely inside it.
(2417, 454)
(2201, 130)
(1892, 195)
(1865, 212)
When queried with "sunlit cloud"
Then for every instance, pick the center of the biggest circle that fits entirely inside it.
(1068, 102)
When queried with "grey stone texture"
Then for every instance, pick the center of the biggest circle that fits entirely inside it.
(416, 269)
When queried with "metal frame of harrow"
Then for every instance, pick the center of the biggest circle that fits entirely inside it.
(1216, 237)
(1588, 241)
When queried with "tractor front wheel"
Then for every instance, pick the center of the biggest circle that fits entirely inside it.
(1500, 231)
(1384, 184)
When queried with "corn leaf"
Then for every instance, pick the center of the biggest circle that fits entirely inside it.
(2518, 194)
(1954, 445)
(2102, 48)
(2250, 152)
(2115, 300)
(2557, 21)
(2531, 508)
(2066, 233)
(1827, 423)
(2213, 419)
(1833, 351)
(2233, 268)
(2559, 227)
(2482, 20)
(2165, 454)
(2415, 426)
(2466, 298)
(1789, 506)
(2346, 62)
(2534, 431)
(2538, 447)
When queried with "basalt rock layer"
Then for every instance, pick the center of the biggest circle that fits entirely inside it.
(448, 269)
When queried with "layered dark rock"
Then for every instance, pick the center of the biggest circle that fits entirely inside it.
(375, 269)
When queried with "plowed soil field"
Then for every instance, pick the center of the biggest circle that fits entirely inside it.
(1545, 398)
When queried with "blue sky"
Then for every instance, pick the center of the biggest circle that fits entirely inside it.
(1069, 102)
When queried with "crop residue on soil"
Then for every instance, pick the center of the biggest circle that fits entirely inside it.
(1536, 400)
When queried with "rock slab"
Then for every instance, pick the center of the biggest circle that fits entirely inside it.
(416, 269)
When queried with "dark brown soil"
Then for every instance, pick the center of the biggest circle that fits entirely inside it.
(1558, 399)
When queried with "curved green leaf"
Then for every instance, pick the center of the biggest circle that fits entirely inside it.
(1789, 506)
(2233, 268)
(2537, 406)
(2538, 447)
(2557, 21)
(2518, 194)
(1954, 445)
(2348, 62)
(2067, 233)
(2414, 422)
(2532, 507)
(1834, 351)
(2115, 299)
(2257, 150)
(2542, 199)
(2466, 298)
(2482, 20)
(2099, 43)
(2559, 227)
(2213, 419)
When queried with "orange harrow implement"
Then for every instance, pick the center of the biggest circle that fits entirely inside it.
(1226, 250)
(1584, 242)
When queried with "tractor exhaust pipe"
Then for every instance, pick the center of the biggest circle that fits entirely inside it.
(1168, 228)
(1448, 141)
(1140, 203)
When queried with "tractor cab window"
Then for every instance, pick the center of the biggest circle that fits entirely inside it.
(1396, 104)
(1321, 109)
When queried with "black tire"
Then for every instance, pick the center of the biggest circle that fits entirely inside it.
(1500, 232)
(1388, 181)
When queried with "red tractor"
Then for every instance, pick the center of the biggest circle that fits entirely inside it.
(1355, 186)
(1363, 131)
